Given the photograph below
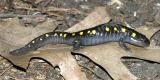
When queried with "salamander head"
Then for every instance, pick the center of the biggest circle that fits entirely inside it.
(139, 39)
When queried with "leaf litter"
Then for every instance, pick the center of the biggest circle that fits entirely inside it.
(96, 53)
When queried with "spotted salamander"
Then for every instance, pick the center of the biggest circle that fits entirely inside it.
(100, 34)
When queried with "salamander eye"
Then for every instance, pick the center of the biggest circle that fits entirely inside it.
(142, 39)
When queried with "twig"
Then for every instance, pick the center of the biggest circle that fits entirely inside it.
(18, 15)
(6, 70)
(54, 9)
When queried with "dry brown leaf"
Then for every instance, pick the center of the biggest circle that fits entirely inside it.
(12, 33)
(66, 63)
(109, 55)
(112, 53)
(99, 53)
(61, 57)
(98, 16)
(25, 35)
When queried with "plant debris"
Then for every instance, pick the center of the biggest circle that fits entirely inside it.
(59, 64)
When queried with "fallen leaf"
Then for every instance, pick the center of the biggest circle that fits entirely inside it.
(55, 56)
(112, 53)
(62, 57)
(14, 33)
(98, 16)
(13, 36)
(109, 55)
(106, 55)
(26, 35)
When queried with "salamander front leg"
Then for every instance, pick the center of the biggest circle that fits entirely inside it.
(76, 45)
(123, 45)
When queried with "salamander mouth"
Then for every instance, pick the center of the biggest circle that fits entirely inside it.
(145, 43)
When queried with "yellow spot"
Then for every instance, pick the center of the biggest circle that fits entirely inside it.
(133, 34)
(115, 29)
(40, 39)
(55, 34)
(33, 41)
(88, 31)
(123, 29)
(107, 29)
(73, 34)
(47, 35)
(61, 34)
(81, 33)
(94, 31)
(76, 41)
(64, 35)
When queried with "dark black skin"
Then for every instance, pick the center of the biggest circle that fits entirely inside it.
(93, 36)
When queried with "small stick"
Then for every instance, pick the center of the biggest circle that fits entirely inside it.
(6, 70)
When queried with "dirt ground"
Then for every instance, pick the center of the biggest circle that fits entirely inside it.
(136, 13)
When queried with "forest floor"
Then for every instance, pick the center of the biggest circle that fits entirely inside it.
(66, 13)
